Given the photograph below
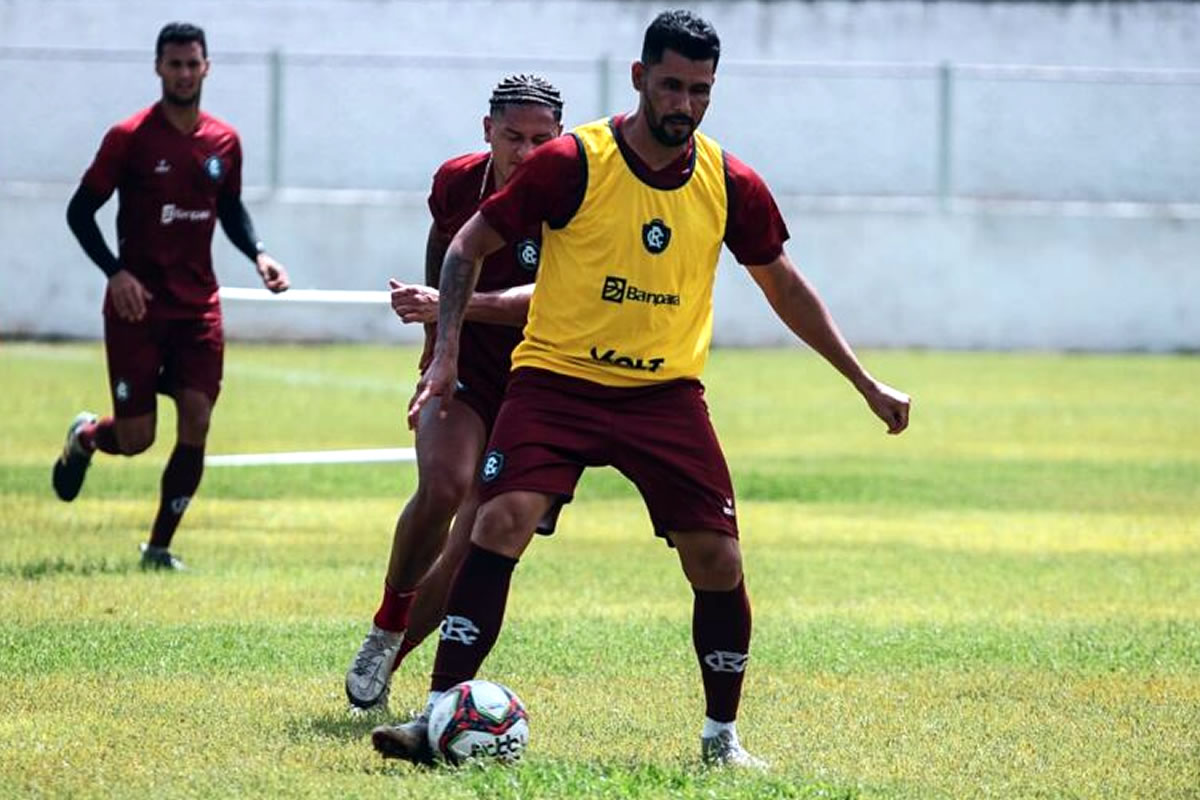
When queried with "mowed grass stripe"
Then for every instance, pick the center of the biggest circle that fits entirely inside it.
(600, 647)
(965, 483)
(949, 734)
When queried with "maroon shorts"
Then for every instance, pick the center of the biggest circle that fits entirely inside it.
(552, 426)
(481, 389)
(161, 355)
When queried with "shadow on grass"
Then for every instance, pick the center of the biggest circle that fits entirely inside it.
(340, 725)
(55, 567)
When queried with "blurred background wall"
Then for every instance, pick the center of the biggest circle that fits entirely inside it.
(954, 174)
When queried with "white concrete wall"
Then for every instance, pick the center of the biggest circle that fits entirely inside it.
(893, 278)
(917, 277)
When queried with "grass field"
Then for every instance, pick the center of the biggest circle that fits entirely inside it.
(1004, 602)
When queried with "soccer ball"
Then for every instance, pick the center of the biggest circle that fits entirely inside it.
(478, 719)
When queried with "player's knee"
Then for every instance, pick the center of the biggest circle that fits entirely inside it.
(445, 490)
(134, 441)
(717, 565)
(499, 526)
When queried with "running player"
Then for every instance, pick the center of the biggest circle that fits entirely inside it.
(177, 170)
(525, 111)
(635, 209)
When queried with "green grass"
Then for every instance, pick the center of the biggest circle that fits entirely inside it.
(1003, 602)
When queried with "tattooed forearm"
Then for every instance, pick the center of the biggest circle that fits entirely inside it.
(459, 273)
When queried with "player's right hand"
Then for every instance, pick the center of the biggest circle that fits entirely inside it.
(129, 296)
(413, 302)
(437, 381)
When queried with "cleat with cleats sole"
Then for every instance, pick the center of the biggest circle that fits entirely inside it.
(71, 467)
(370, 675)
(408, 741)
(160, 558)
(724, 750)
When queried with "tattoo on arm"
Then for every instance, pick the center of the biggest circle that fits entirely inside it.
(458, 277)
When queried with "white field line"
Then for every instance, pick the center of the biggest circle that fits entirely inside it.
(370, 456)
(362, 456)
(328, 296)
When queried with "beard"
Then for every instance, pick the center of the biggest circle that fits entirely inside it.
(658, 126)
(182, 101)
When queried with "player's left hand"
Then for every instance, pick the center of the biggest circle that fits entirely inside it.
(273, 275)
(890, 405)
(413, 302)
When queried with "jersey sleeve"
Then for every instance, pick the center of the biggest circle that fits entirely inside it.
(104, 174)
(754, 228)
(232, 187)
(439, 204)
(547, 187)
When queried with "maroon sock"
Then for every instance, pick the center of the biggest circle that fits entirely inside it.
(393, 608)
(100, 435)
(721, 634)
(474, 613)
(407, 645)
(179, 482)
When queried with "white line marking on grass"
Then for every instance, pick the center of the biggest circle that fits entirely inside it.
(369, 456)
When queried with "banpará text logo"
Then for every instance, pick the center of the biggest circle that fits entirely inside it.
(618, 290)
(172, 212)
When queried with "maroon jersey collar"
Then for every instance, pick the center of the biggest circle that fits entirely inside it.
(672, 176)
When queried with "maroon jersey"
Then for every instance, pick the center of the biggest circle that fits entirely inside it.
(549, 186)
(485, 351)
(168, 184)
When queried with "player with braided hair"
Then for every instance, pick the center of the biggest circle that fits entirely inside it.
(524, 112)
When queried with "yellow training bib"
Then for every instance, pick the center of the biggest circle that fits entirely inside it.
(624, 291)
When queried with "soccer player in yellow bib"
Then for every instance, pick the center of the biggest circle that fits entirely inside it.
(634, 209)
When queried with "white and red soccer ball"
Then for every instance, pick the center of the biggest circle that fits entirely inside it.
(478, 720)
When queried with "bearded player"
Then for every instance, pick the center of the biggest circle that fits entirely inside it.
(636, 209)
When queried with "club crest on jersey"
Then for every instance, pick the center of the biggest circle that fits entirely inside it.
(656, 236)
(493, 462)
(213, 167)
(528, 254)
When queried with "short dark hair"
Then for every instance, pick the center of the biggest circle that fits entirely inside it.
(526, 90)
(686, 33)
(180, 33)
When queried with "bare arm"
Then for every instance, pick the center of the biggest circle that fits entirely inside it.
(460, 271)
(798, 305)
(414, 303)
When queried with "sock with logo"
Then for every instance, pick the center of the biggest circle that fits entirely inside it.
(100, 435)
(393, 609)
(474, 613)
(179, 482)
(721, 635)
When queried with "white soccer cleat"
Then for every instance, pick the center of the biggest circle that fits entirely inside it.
(724, 750)
(370, 675)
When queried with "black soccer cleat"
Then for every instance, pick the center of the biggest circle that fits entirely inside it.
(408, 741)
(71, 467)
